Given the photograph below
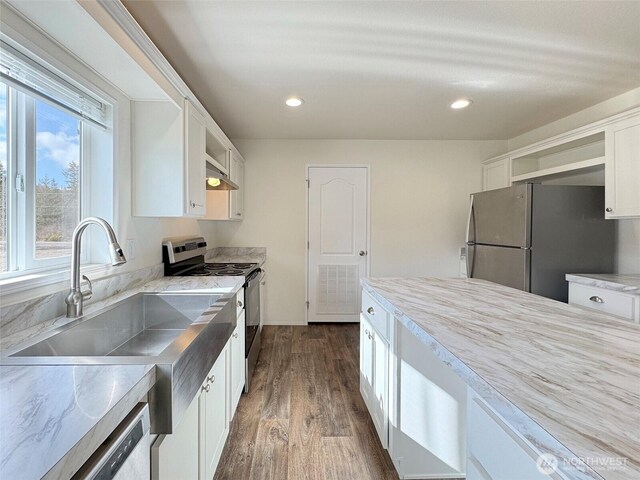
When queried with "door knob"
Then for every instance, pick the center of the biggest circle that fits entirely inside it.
(362, 253)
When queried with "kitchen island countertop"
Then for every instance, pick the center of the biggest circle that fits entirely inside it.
(565, 379)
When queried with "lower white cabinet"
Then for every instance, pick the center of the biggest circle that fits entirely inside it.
(176, 456)
(495, 451)
(429, 429)
(620, 304)
(193, 450)
(374, 377)
(213, 419)
(236, 364)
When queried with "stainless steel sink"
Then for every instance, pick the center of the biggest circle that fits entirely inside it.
(142, 325)
(181, 333)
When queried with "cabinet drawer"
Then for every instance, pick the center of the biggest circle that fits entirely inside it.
(497, 450)
(377, 315)
(602, 300)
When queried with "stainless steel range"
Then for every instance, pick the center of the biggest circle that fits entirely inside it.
(184, 256)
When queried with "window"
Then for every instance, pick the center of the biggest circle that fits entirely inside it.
(45, 124)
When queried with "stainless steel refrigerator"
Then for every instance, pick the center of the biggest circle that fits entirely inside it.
(529, 236)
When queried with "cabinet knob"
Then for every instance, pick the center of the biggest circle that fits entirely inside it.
(235, 335)
(362, 253)
(596, 299)
(206, 388)
(211, 379)
(609, 209)
(371, 311)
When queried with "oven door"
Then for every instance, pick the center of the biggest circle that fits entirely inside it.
(252, 308)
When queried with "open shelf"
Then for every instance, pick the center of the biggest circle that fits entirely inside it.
(575, 167)
(576, 156)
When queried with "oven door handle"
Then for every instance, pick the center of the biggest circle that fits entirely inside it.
(252, 276)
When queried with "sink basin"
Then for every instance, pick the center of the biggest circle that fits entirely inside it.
(142, 325)
(182, 334)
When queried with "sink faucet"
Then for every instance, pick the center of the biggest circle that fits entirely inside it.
(76, 296)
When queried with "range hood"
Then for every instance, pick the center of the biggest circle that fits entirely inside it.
(216, 180)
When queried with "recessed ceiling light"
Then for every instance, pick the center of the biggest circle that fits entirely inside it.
(294, 101)
(461, 103)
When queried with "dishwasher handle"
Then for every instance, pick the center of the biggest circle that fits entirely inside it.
(108, 460)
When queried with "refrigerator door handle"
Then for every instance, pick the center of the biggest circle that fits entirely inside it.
(469, 218)
(471, 247)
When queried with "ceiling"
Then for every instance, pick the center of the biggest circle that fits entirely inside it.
(390, 70)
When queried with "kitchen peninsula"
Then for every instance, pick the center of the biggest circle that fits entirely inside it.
(565, 380)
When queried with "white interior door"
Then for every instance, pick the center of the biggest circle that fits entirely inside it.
(337, 250)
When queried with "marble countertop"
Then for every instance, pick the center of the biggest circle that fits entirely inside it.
(237, 255)
(55, 412)
(629, 283)
(567, 380)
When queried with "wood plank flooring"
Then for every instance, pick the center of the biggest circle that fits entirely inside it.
(304, 418)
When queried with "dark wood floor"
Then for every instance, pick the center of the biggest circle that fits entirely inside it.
(304, 417)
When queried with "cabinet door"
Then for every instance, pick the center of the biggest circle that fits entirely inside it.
(366, 359)
(214, 424)
(175, 456)
(379, 401)
(236, 197)
(622, 169)
(195, 167)
(496, 174)
(236, 365)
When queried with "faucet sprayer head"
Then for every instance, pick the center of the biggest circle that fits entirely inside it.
(117, 255)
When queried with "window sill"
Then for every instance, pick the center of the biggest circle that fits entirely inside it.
(31, 280)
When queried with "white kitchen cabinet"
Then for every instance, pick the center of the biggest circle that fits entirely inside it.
(366, 360)
(379, 400)
(213, 418)
(622, 168)
(620, 304)
(495, 451)
(496, 173)
(236, 364)
(168, 160)
(374, 364)
(428, 433)
(195, 167)
(228, 204)
(176, 456)
(193, 450)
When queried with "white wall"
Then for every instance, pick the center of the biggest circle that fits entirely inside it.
(628, 230)
(419, 192)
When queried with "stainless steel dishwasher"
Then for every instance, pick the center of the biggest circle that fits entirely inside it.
(125, 454)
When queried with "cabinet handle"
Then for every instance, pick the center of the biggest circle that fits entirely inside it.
(206, 388)
(239, 214)
(609, 209)
(239, 303)
(596, 299)
(235, 335)
(371, 311)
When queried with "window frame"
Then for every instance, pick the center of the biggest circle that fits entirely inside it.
(21, 208)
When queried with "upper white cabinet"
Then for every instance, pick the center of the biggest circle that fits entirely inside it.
(228, 204)
(622, 172)
(168, 163)
(194, 159)
(496, 173)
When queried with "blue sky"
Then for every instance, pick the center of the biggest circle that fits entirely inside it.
(57, 139)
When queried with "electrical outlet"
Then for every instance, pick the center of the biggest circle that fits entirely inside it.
(130, 253)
